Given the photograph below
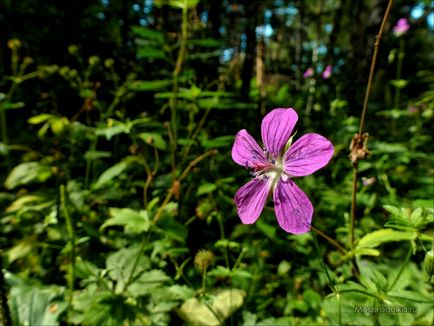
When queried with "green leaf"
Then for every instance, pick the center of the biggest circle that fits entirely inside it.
(149, 85)
(147, 282)
(150, 52)
(206, 188)
(27, 173)
(218, 142)
(180, 4)
(154, 139)
(116, 129)
(37, 119)
(224, 304)
(366, 252)
(11, 106)
(110, 173)
(376, 238)
(205, 42)
(133, 221)
(120, 266)
(94, 155)
(399, 83)
(149, 34)
(21, 249)
(58, 124)
(34, 304)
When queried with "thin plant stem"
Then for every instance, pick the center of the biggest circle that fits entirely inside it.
(136, 263)
(5, 314)
(372, 69)
(353, 204)
(177, 182)
(331, 283)
(71, 235)
(362, 120)
(222, 236)
(398, 73)
(329, 239)
(89, 161)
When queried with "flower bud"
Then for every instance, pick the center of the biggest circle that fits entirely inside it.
(109, 63)
(203, 259)
(63, 71)
(429, 263)
(93, 60)
(72, 49)
(14, 44)
(27, 61)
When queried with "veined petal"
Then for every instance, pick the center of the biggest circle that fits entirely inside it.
(308, 154)
(246, 151)
(276, 129)
(292, 207)
(250, 199)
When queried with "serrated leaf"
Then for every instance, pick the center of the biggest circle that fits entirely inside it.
(147, 282)
(120, 266)
(27, 173)
(376, 238)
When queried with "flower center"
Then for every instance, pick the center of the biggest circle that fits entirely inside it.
(271, 171)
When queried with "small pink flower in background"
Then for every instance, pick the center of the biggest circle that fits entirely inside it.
(401, 27)
(327, 72)
(308, 72)
(274, 167)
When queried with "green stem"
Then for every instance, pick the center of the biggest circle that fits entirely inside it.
(5, 314)
(89, 161)
(401, 269)
(71, 235)
(4, 133)
(222, 236)
(329, 239)
(323, 265)
(398, 72)
(136, 262)
(177, 71)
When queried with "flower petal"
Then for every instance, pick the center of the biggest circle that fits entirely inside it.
(250, 199)
(246, 151)
(293, 208)
(276, 129)
(308, 154)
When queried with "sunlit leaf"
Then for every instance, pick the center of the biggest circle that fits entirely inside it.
(224, 304)
(131, 220)
(376, 238)
(27, 173)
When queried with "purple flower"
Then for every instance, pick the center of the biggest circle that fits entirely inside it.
(274, 167)
(327, 72)
(401, 27)
(308, 72)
